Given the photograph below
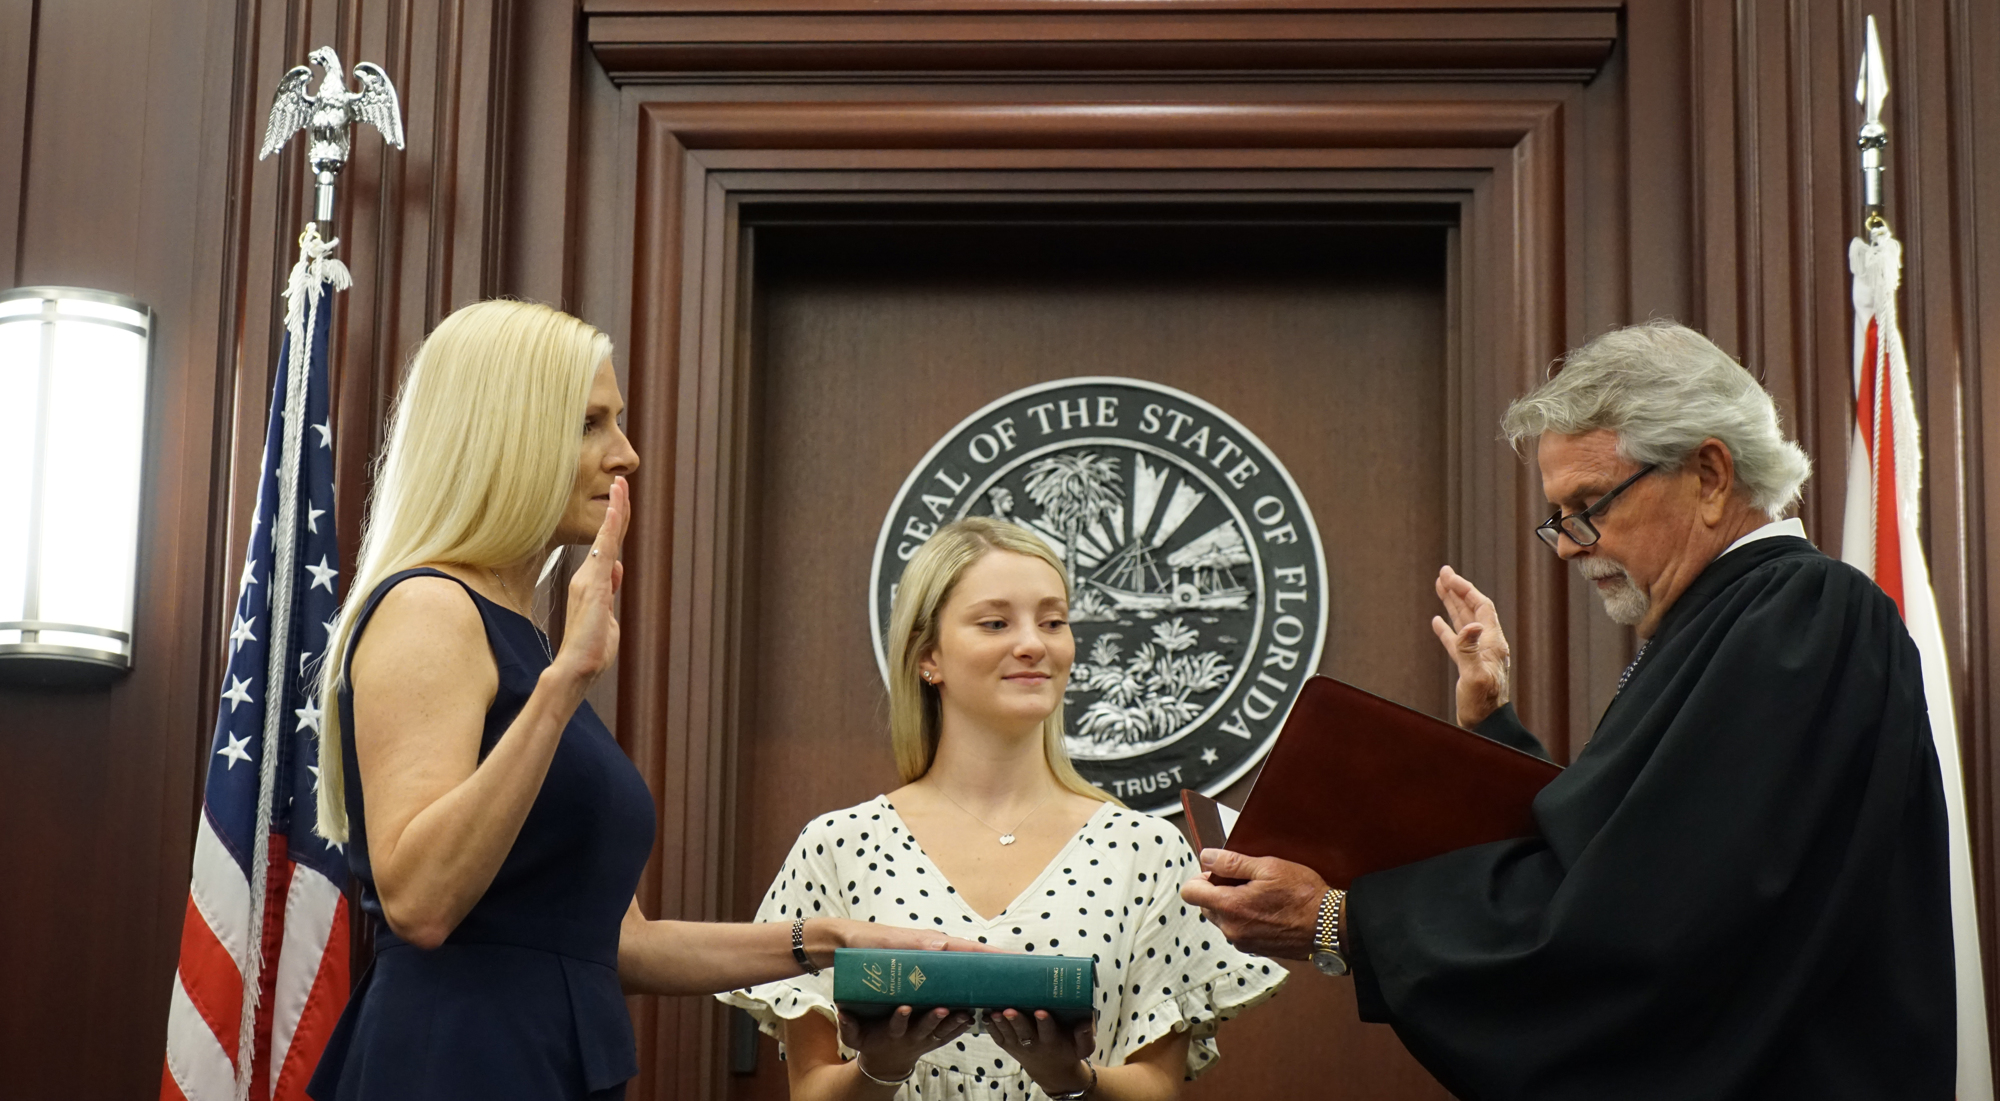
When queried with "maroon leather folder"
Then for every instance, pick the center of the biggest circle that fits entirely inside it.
(1356, 784)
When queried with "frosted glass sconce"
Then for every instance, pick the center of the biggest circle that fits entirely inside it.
(73, 367)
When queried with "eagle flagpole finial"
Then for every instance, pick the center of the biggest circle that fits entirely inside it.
(329, 114)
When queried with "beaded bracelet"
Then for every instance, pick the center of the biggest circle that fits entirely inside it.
(799, 947)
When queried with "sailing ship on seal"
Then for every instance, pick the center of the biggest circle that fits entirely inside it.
(1084, 517)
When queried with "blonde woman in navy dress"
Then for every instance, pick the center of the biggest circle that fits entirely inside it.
(995, 837)
(503, 830)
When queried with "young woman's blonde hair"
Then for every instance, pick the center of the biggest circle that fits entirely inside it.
(479, 466)
(915, 711)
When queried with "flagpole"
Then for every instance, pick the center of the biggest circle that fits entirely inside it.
(268, 933)
(1871, 89)
(278, 625)
(327, 115)
(315, 273)
(1880, 536)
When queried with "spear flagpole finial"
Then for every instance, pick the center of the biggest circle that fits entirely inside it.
(1870, 89)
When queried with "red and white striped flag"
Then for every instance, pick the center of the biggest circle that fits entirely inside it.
(263, 969)
(1880, 538)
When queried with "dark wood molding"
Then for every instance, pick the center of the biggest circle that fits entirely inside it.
(659, 40)
(1099, 126)
(17, 86)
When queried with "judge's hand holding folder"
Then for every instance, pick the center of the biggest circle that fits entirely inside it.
(1356, 784)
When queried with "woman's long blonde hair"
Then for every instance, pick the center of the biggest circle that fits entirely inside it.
(915, 710)
(480, 464)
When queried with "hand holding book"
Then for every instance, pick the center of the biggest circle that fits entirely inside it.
(1270, 906)
(1355, 784)
(1051, 1052)
(1038, 1008)
(869, 982)
(888, 1048)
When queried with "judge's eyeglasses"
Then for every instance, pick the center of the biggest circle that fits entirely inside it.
(1577, 525)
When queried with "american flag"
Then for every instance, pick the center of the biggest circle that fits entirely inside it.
(264, 952)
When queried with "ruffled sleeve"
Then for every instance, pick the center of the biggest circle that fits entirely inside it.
(1184, 976)
(806, 884)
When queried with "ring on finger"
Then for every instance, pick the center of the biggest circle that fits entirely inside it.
(593, 552)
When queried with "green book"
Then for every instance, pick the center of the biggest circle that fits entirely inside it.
(872, 982)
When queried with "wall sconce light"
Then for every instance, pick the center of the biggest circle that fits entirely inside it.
(72, 433)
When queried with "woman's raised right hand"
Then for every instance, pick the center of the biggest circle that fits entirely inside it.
(590, 630)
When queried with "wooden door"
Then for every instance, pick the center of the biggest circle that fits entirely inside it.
(1324, 332)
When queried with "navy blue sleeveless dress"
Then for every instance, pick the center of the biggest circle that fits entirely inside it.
(522, 1000)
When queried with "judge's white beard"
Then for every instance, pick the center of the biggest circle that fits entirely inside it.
(1624, 601)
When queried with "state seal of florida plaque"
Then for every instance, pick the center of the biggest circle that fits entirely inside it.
(1197, 577)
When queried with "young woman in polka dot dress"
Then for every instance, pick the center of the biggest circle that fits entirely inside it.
(995, 837)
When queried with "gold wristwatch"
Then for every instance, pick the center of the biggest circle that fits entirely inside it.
(1327, 954)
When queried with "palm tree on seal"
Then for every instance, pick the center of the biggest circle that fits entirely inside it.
(1074, 491)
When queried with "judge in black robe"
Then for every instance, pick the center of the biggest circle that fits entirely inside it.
(1740, 887)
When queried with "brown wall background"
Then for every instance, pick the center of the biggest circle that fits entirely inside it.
(1708, 174)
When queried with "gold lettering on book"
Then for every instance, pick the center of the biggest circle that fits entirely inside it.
(916, 978)
(871, 977)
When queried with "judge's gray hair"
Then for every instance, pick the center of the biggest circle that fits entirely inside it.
(1664, 388)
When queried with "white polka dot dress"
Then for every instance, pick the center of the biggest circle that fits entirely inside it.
(1112, 893)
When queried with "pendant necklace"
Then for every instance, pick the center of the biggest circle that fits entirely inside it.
(539, 636)
(1007, 837)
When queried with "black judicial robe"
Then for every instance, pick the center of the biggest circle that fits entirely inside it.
(1739, 889)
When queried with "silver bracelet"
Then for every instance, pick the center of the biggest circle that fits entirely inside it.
(1079, 1095)
(799, 946)
(882, 1081)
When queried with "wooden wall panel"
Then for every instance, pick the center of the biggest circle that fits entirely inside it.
(128, 136)
(1973, 339)
(17, 67)
(1777, 180)
(1708, 163)
(1704, 171)
(109, 186)
(1320, 332)
(702, 162)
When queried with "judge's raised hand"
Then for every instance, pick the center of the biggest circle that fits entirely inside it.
(590, 630)
(1477, 646)
(1273, 914)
